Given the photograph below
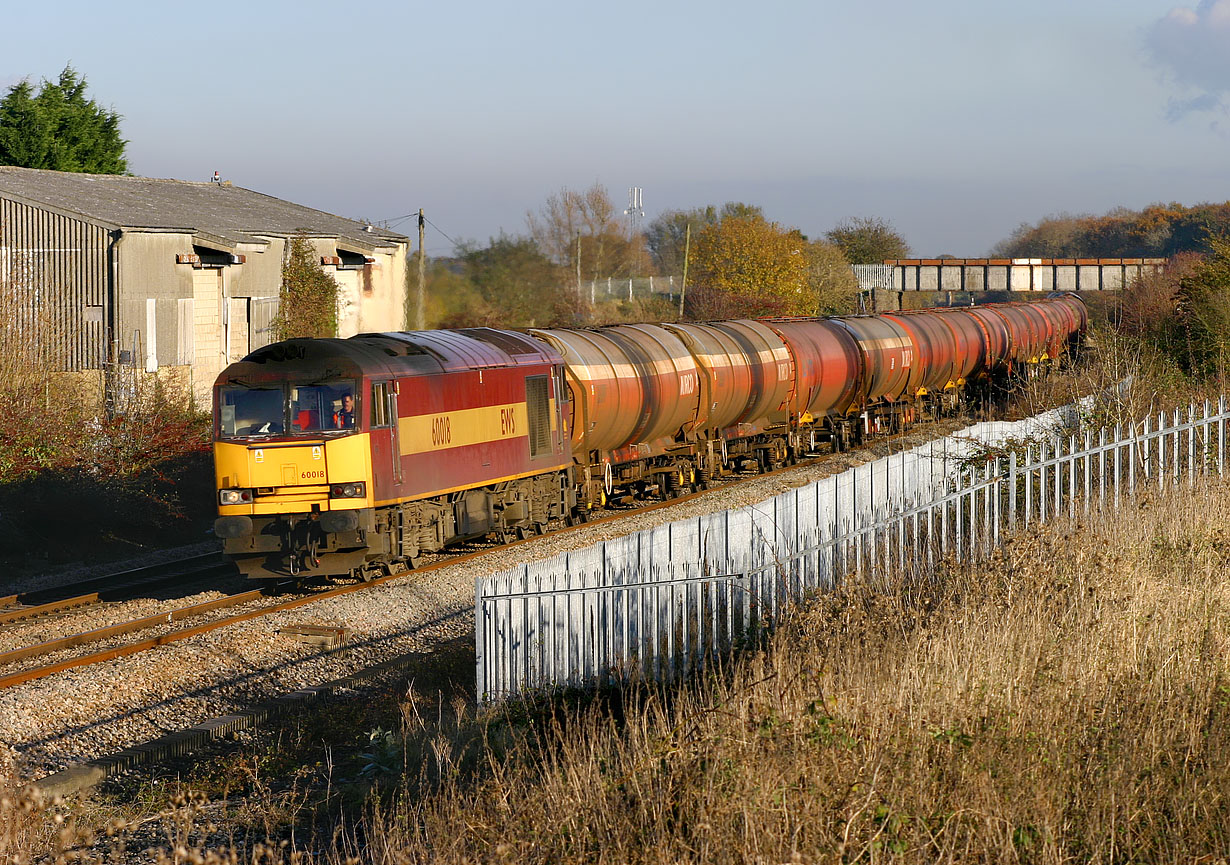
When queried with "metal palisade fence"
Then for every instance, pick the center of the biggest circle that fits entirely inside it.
(664, 602)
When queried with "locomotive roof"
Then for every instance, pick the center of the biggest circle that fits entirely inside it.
(397, 353)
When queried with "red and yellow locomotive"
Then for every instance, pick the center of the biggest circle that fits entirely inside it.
(452, 435)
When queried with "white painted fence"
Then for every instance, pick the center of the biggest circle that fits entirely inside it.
(663, 602)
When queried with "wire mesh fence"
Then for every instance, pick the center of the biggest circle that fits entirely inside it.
(665, 602)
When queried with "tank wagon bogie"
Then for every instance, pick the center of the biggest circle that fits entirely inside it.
(357, 456)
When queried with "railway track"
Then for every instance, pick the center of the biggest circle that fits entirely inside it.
(111, 587)
(195, 611)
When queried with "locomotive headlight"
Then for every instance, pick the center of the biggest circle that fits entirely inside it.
(348, 491)
(234, 497)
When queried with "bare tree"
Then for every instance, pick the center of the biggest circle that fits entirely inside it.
(589, 220)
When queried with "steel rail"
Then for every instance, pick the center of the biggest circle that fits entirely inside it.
(142, 624)
(133, 577)
(31, 611)
(16, 614)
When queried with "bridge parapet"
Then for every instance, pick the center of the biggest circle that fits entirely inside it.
(1014, 274)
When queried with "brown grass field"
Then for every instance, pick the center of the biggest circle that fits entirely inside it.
(1066, 701)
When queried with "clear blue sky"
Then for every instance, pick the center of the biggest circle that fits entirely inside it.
(955, 121)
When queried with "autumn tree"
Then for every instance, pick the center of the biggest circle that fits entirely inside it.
(868, 240)
(1159, 230)
(666, 236)
(831, 281)
(516, 280)
(750, 266)
(308, 297)
(1148, 304)
(58, 128)
(587, 223)
(1203, 310)
(740, 210)
(509, 282)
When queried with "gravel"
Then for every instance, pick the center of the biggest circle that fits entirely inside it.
(84, 570)
(91, 712)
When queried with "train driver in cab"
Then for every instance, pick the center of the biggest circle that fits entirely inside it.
(344, 418)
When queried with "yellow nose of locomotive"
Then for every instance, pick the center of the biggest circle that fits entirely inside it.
(290, 477)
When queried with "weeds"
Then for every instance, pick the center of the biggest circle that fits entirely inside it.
(1067, 700)
(77, 477)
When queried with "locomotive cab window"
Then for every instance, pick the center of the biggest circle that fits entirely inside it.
(381, 391)
(324, 407)
(250, 411)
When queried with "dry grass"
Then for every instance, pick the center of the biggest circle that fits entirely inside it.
(1067, 701)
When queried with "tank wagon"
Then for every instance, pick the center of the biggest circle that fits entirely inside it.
(351, 457)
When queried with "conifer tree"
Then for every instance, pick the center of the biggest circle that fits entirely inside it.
(58, 128)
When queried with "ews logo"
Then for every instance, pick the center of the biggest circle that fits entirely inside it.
(508, 422)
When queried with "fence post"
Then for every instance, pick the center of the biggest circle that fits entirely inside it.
(1146, 442)
(944, 514)
(1073, 461)
(1221, 434)
(1088, 461)
(1042, 495)
(1012, 492)
(1204, 440)
(480, 643)
(1161, 450)
(996, 492)
(957, 517)
(1191, 444)
(1102, 469)
(1178, 440)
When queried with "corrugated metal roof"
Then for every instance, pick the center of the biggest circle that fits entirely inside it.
(211, 210)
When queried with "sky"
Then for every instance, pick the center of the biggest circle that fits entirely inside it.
(954, 121)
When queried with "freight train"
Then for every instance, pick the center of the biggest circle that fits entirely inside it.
(357, 456)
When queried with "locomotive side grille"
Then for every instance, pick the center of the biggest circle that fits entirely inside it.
(538, 411)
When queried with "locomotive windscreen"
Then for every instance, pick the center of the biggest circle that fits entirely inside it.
(314, 407)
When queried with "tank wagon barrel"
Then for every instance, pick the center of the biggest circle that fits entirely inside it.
(356, 456)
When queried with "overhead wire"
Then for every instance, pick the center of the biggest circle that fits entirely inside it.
(397, 220)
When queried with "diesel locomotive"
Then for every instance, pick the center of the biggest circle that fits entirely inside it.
(357, 456)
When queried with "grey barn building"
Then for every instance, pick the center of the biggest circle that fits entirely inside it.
(175, 277)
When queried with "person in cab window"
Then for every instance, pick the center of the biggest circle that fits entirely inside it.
(344, 419)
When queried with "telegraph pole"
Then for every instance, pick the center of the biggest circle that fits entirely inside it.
(420, 315)
(578, 264)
